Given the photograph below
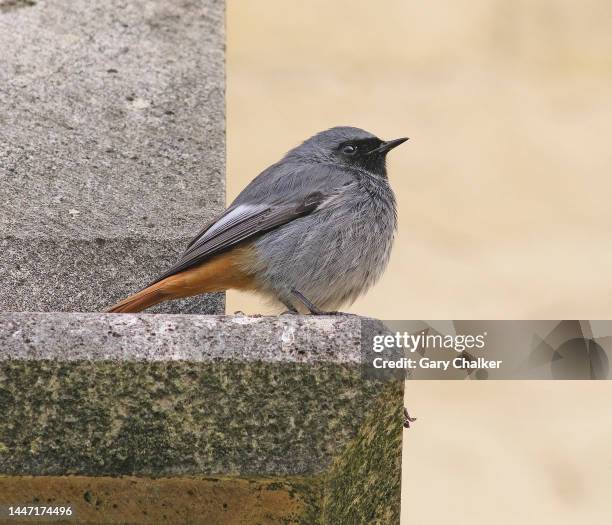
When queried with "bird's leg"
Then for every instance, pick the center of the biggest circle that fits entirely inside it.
(291, 310)
(311, 307)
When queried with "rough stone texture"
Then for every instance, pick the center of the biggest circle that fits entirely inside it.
(79, 337)
(281, 398)
(363, 486)
(160, 395)
(111, 146)
(176, 418)
(186, 500)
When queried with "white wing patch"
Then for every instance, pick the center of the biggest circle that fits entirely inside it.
(228, 220)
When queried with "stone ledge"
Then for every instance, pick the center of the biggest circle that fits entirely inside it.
(185, 395)
(103, 394)
(62, 337)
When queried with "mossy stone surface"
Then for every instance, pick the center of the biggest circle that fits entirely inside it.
(280, 402)
(363, 485)
(172, 418)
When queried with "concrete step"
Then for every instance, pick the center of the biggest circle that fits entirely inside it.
(280, 398)
(112, 147)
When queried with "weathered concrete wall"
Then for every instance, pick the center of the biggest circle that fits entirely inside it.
(160, 395)
(166, 395)
(111, 146)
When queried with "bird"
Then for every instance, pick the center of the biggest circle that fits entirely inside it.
(313, 231)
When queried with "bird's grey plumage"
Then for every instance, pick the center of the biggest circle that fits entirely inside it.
(336, 253)
(317, 224)
(240, 223)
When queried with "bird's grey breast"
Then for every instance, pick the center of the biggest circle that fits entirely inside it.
(337, 252)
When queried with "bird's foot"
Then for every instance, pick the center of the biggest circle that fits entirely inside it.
(312, 308)
(324, 312)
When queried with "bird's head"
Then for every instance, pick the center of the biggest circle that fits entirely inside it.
(348, 146)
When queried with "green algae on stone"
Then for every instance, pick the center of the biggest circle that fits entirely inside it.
(178, 417)
(363, 484)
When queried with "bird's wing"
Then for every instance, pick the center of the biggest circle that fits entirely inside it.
(239, 223)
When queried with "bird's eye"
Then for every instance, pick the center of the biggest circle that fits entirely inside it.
(349, 150)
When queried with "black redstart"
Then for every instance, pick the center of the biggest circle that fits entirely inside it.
(313, 231)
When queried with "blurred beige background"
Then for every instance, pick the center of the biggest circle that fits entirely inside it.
(504, 187)
(508, 452)
(503, 213)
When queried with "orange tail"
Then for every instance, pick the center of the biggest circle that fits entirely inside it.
(215, 275)
(140, 301)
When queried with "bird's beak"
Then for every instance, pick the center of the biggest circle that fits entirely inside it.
(389, 145)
